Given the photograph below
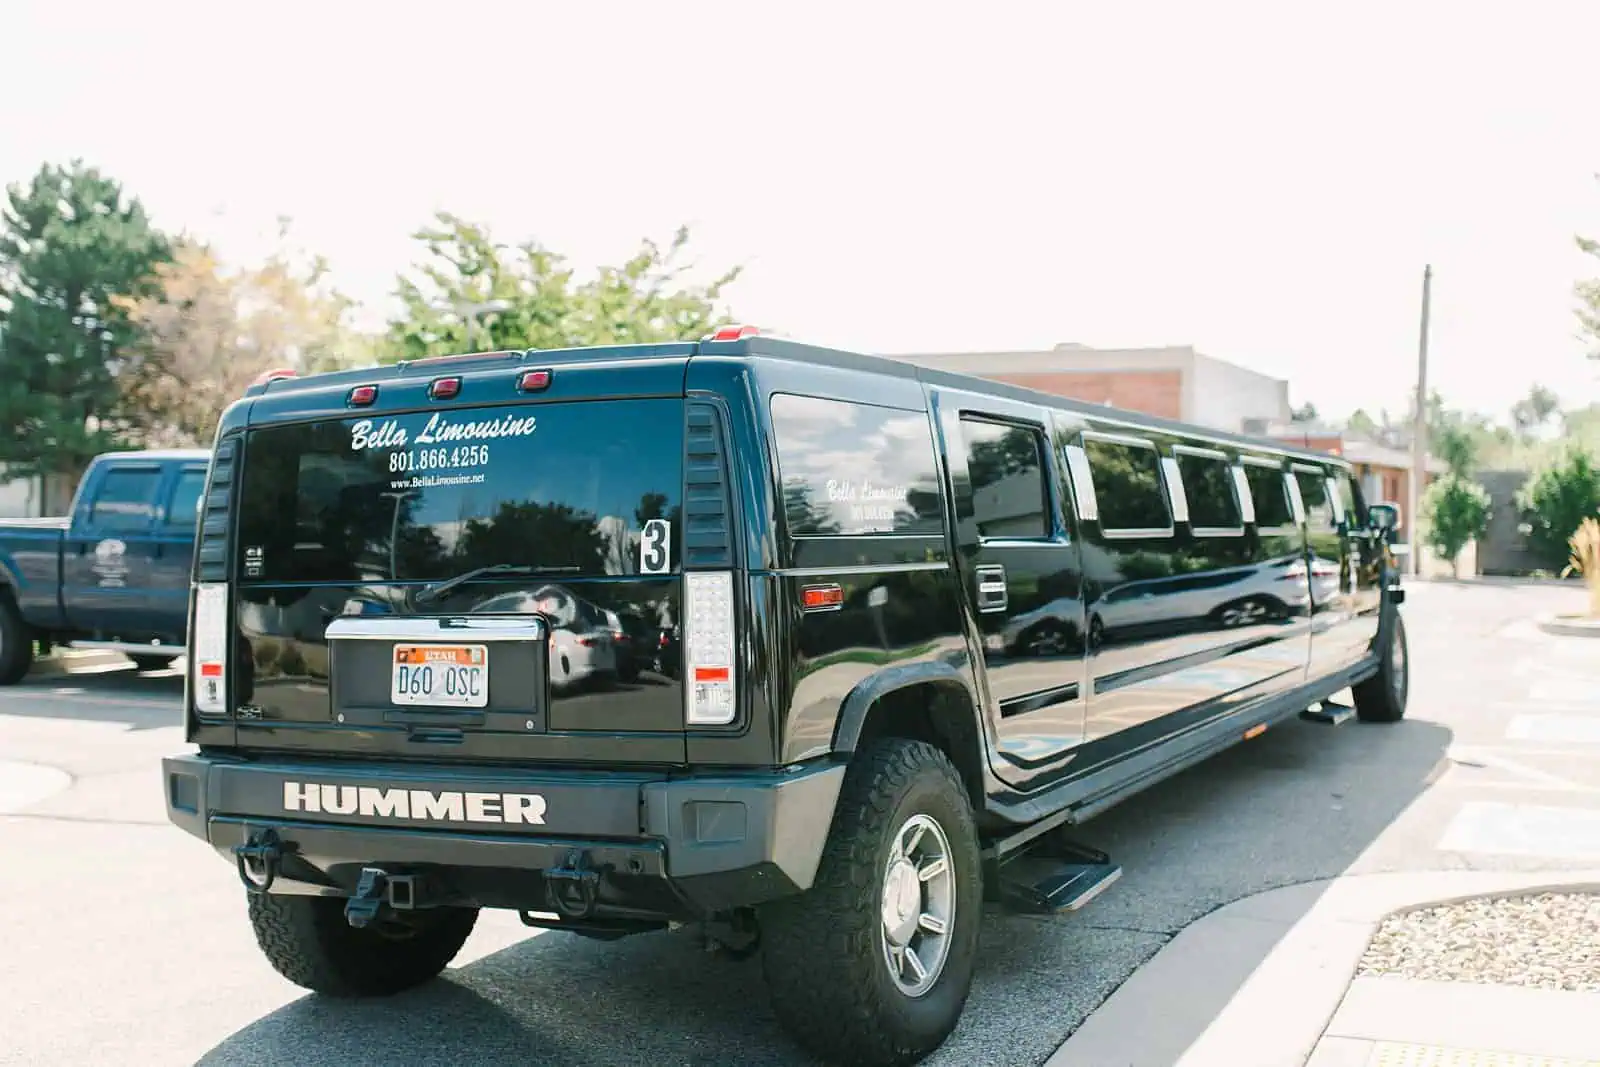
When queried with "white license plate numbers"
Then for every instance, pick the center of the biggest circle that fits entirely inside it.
(440, 676)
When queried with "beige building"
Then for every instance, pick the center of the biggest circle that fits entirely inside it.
(1175, 382)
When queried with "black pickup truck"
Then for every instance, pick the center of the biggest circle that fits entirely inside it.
(923, 625)
(114, 573)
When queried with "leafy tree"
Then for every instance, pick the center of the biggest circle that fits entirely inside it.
(1458, 447)
(646, 299)
(1306, 412)
(70, 242)
(1556, 500)
(1588, 293)
(207, 332)
(1454, 512)
(1534, 410)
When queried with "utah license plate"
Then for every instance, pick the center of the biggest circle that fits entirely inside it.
(449, 676)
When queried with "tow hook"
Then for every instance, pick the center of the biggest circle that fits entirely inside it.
(574, 887)
(259, 860)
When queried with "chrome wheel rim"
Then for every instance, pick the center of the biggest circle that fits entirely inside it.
(917, 905)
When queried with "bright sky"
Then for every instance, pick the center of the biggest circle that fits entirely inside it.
(899, 177)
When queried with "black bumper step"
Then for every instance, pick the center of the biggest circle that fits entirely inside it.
(1039, 885)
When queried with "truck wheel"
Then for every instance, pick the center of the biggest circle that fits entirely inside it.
(16, 643)
(874, 963)
(308, 941)
(1382, 698)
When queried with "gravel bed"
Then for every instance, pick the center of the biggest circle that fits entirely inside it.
(1549, 941)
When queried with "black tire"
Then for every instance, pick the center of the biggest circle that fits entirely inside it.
(16, 642)
(824, 952)
(151, 663)
(1382, 697)
(308, 941)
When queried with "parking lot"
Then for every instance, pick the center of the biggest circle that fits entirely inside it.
(127, 939)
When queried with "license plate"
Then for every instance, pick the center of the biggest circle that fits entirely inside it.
(447, 676)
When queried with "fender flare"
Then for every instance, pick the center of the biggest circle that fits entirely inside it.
(860, 700)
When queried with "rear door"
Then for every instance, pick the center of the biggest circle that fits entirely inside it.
(1331, 563)
(438, 582)
(1021, 571)
(109, 550)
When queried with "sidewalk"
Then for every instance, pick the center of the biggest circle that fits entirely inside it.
(1269, 981)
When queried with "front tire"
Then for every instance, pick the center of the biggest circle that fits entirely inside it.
(308, 941)
(1382, 698)
(16, 643)
(873, 964)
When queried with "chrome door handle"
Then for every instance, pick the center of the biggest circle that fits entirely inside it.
(991, 587)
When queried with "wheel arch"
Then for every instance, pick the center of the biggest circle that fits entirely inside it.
(930, 702)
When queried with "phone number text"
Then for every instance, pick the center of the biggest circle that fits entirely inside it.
(434, 459)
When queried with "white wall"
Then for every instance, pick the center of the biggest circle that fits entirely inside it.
(19, 497)
(1221, 395)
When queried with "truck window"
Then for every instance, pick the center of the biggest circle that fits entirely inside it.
(1006, 467)
(1208, 483)
(851, 469)
(1269, 494)
(427, 495)
(183, 509)
(1127, 484)
(1314, 495)
(125, 499)
(1355, 504)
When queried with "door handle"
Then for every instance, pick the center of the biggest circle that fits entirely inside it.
(991, 587)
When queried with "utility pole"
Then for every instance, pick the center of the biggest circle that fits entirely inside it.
(1419, 432)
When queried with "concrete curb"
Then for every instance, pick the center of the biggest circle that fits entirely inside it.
(1256, 982)
(1555, 624)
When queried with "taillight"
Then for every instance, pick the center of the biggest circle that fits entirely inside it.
(708, 648)
(209, 645)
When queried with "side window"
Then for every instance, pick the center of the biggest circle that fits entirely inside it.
(183, 509)
(1128, 487)
(125, 500)
(1208, 483)
(1355, 502)
(1006, 465)
(1314, 495)
(1270, 497)
(853, 469)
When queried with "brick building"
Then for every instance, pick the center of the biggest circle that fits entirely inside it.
(1177, 382)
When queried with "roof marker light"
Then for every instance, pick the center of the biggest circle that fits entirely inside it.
(362, 395)
(533, 381)
(444, 388)
(733, 333)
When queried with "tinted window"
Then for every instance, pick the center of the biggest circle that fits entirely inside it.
(425, 496)
(184, 508)
(1314, 495)
(1208, 483)
(125, 500)
(1006, 466)
(1355, 503)
(851, 469)
(1269, 495)
(1127, 486)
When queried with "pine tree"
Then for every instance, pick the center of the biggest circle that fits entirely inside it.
(71, 245)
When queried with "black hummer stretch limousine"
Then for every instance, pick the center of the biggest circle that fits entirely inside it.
(913, 628)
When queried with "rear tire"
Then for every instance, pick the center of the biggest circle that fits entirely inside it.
(830, 954)
(16, 643)
(1382, 697)
(308, 941)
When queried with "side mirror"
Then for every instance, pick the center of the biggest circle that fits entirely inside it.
(1384, 517)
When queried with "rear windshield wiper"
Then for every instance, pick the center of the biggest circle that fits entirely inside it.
(439, 589)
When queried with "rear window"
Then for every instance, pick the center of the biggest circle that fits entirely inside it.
(852, 469)
(429, 495)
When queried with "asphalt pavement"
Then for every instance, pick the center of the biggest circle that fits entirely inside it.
(126, 938)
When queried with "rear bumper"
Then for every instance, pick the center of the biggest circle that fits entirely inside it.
(487, 836)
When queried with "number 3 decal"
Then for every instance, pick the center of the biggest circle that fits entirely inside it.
(655, 547)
